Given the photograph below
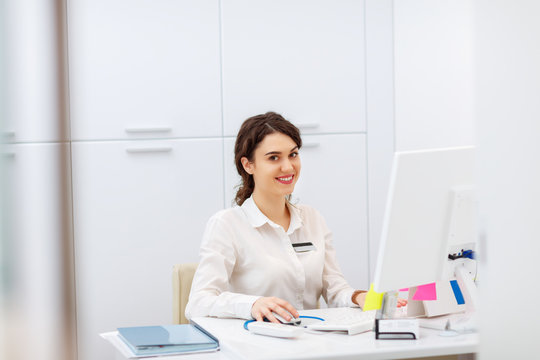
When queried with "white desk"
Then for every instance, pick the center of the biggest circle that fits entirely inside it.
(239, 344)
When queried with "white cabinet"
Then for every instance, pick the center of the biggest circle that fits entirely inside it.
(139, 208)
(304, 59)
(144, 69)
(32, 243)
(333, 180)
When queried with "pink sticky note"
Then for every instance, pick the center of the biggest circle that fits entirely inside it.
(404, 289)
(426, 292)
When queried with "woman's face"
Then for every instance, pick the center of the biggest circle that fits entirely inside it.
(275, 166)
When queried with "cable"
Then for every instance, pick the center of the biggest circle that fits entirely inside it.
(468, 254)
(301, 317)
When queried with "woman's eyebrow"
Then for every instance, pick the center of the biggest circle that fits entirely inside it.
(279, 152)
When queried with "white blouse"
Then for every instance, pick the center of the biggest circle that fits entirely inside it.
(244, 255)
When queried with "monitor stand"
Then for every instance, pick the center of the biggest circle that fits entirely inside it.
(447, 297)
(388, 306)
(445, 313)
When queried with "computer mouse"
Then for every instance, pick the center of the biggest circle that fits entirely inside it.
(293, 321)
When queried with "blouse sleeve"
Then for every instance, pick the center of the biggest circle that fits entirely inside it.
(336, 290)
(209, 294)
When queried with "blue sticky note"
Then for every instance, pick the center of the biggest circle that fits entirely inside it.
(457, 292)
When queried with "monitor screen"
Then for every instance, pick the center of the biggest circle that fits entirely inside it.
(430, 212)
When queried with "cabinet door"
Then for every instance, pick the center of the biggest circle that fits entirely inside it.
(303, 59)
(139, 208)
(144, 68)
(31, 246)
(333, 180)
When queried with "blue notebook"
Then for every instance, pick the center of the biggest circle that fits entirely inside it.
(167, 339)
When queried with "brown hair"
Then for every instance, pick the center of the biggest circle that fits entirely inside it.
(251, 133)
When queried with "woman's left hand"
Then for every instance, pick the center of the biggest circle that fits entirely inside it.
(401, 302)
(360, 300)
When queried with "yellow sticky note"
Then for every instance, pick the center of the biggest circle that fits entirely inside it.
(373, 299)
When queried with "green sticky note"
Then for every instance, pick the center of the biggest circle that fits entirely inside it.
(373, 299)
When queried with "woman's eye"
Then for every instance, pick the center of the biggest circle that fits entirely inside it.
(273, 158)
(294, 154)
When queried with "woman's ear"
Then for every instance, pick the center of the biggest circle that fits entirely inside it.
(248, 166)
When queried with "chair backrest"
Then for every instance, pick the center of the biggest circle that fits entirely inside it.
(182, 278)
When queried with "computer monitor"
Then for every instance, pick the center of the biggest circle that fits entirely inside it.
(430, 213)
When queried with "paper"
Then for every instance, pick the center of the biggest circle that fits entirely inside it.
(373, 299)
(425, 292)
(113, 338)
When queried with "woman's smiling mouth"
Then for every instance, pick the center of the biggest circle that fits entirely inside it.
(288, 179)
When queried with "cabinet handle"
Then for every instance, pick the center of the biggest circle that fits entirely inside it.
(311, 145)
(148, 130)
(308, 126)
(149, 150)
(9, 155)
(9, 134)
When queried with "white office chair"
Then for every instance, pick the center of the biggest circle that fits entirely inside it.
(182, 278)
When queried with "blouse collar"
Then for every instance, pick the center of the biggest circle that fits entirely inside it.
(256, 218)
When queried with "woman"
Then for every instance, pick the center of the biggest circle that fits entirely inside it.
(249, 264)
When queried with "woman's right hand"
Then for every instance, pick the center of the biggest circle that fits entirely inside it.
(264, 306)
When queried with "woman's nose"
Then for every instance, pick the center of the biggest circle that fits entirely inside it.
(286, 165)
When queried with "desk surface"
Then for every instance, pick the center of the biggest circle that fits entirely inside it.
(237, 343)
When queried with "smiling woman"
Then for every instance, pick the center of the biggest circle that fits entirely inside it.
(275, 168)
(251, 136)
(249, 264)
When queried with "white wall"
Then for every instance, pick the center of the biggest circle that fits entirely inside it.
(420, 87)
(433, 64)
(379, 114)
(508, 77)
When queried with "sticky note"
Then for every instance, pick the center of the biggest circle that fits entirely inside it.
(426, 292)
(457, 292)
(404, 289)
(373, 299)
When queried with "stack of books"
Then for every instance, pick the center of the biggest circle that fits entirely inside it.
(167, 340)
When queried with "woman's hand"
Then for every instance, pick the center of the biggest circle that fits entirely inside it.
(264, 306)
(360, 299)
(401, 302)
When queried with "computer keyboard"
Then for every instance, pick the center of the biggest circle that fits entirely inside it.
(351, 320)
